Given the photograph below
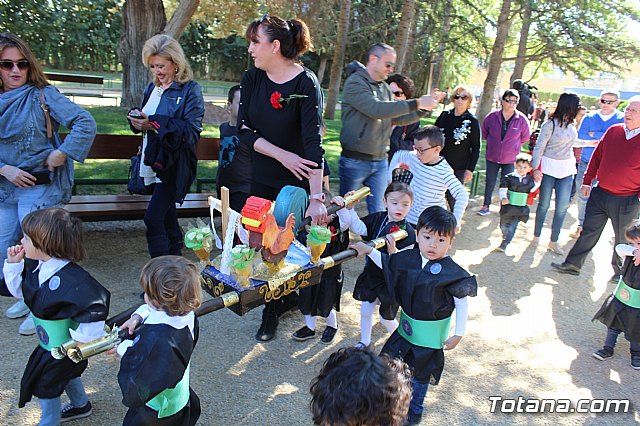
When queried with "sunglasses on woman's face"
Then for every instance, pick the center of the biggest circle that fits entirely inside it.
(7, 65)
(463, 97)
(398, 94)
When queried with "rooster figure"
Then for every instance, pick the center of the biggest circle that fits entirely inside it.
(264, 233)
(276, 240)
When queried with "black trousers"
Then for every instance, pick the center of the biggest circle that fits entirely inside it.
(601, 207)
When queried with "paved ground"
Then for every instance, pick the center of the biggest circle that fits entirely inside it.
(530, 334)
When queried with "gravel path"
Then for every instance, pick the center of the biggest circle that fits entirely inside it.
(530, 334)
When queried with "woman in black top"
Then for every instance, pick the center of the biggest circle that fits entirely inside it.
(281, 118)
(461, 136)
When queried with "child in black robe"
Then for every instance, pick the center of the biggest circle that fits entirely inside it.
(428, 285)
(621, 311)
(66, 302)
(323, 299)
(514, 191)
(154, 370)
(370, 287)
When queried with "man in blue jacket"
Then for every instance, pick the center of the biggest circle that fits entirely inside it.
(592, 128)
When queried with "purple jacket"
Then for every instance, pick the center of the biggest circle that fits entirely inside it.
(504, 151)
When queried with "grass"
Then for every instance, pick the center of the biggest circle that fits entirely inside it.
(111, 120)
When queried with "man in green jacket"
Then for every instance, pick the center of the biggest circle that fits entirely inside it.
(369, 113)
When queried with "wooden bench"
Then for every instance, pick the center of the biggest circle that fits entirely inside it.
(92, 208)
(96, 80)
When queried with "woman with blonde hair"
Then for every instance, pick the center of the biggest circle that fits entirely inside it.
(36, 168)
(171, 121)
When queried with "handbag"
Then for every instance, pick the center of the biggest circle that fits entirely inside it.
(136, 182)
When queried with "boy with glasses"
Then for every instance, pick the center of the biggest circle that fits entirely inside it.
(505, 131)
(591, 130)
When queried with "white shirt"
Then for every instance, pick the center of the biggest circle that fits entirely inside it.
(149, 109)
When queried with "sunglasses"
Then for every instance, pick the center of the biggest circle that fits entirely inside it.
(7, 65)
(510, 101)
(463, 97)
(423, 150)
(265, 18)
(605, 101)
(398, 94)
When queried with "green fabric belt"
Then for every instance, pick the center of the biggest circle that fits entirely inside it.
(428, 334)
(518, 198)
(53, 333)
(170, 401)
(627, 295)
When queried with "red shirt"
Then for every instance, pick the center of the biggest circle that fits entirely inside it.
(616, 163)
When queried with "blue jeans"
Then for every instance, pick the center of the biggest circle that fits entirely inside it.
(51, 407)
(163, 231)
(492, 178)
(563, 193)
(582, 200)
(508, 230)
(356, 173)
(419, 392)
(12, 210)
(612, 337)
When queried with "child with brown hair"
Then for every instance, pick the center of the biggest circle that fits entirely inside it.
(154, 370)
(357, 387)
(66, 302)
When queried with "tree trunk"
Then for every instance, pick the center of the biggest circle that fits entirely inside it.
(181, 17)
(338, 59)
(404, 30)
(446, 27)
(518, 69)
(142, 19)
(495, 60)
(322, 68)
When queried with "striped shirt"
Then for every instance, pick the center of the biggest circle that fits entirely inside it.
(429, 184)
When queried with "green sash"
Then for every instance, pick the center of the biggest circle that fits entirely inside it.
(428, 334)
(518, 198)
(171, 400)
(53, 333)
(627, 295)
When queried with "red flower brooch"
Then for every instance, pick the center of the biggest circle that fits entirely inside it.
(277, 100)
(394, 228)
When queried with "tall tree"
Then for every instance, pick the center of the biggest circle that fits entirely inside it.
(142, 19)
(495, 60)
(338, 60)
(521, 61)
(405, 27)
(444, 38)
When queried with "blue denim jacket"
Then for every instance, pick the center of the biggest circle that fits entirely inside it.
(24, 143)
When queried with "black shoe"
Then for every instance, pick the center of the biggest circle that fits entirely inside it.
(412, 419)
(605, 353)
(267, 330)
(635, 362)
(69, 412)
(362, 347)
(305, 333)
(328, 334)
(566, 268)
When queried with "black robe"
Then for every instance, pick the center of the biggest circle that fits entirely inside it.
(424, 294)
(320, 299)
(615, 314)
(510, 213)
(157, 361)
(73, 294)
(370, 284)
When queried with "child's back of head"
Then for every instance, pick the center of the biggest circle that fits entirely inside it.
(357, 387)
(55, 232)
(173, 283)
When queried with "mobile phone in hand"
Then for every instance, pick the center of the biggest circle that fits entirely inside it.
(136, 114)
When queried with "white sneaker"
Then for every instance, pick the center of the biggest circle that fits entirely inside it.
(555, 248)
(17, 310)
(28, 327)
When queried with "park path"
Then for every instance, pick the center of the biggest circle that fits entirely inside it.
(530, 334)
